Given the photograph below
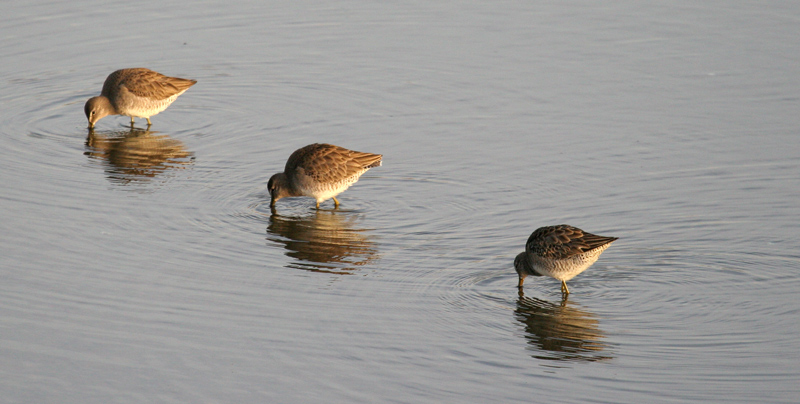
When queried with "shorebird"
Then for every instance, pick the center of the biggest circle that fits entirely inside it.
(320, 171)
(136, 92)
(561, 252)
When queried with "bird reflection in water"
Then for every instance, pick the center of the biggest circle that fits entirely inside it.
(136, 154)
(561, 332)
(325, 241)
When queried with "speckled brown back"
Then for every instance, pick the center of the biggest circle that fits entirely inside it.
(563, 241)
(326, 163)
(145, 83)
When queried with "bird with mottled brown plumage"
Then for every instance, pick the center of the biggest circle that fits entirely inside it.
(320, 171)
(561, 252)
(137, 93)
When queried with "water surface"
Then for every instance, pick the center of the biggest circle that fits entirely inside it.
(145, 265)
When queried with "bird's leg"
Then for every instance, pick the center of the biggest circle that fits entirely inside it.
(131, 122)
(148, 122)
(564, 288)
(335, 203)
(521, 279)
(317, 205)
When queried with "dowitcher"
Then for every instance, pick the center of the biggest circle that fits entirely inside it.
(137, 93)
(561, 252)
(320, 171)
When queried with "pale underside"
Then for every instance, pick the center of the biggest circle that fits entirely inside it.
(129, 104)
(322, 191)
(564, 269)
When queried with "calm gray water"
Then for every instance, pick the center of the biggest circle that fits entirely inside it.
(142, 266)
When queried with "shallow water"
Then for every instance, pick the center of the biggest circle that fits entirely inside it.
(147, 266)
